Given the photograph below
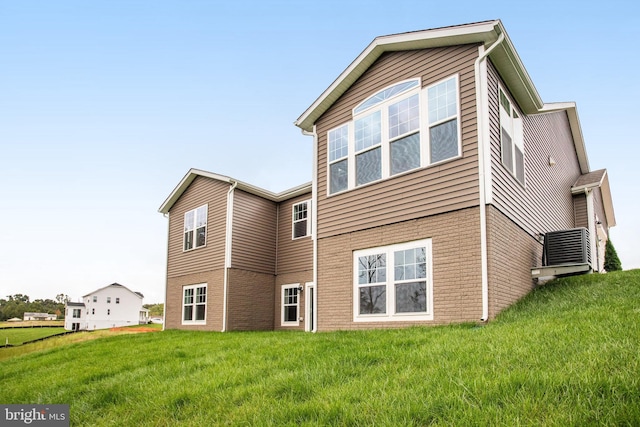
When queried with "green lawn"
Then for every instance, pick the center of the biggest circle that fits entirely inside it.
(17, 336)
(567, 355)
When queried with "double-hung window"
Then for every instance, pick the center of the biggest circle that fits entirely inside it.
(393, 283)
(401, 128)
(76, 313)
(195, 228)
(290, 305)
(194, 304)
(301, 220)
(511, 137)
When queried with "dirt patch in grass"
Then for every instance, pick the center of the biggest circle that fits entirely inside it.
(134, 330)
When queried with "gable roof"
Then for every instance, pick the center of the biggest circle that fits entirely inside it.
(597, 179)
(504, 57)
(194, 173)
(115, 285)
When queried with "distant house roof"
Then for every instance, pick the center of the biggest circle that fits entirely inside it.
(114, 285)
(30, 314)
(597, 179)
(75, 304)
(194, 173)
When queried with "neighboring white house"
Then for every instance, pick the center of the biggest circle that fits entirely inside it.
(39, 316)
(109, 307)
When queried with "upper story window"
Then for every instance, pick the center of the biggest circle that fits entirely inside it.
(301, 220)
(195, 228)
(108, 300)
(511, 137)
(393, 283)
(117, 300)
(76, 313)
(401, 128)
(95, 298)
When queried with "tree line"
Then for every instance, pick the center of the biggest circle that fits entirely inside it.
(18, 304)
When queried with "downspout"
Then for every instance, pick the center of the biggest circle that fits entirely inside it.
(314, 214)
(591, 222)
(227, 252)
(482, 125)
(166, 278)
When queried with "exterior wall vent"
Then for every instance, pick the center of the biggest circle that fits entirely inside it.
(566, 247)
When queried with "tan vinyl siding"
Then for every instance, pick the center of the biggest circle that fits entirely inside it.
(254, 233)
(511, 254)
(428, 191)
(293, 255)
(457, 277)
(580, 210)
(201, 191)
(250, 301)
(215, 290)
(545, 203)
(598, 207)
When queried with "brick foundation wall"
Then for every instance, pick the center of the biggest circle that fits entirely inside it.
(300, 277)
(250, 300)
(456, 269)
(173, 310)
(512, 253)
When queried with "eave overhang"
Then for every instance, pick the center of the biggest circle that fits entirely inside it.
(504, 57)
(249, 188)
(601, 181)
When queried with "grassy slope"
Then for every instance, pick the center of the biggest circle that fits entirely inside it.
(566, 355)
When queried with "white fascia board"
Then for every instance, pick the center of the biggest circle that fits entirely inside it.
(605, 190)
(483, 32)
(249, 188)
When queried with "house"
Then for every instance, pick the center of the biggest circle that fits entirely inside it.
(438, 174)
(108, 307)
(39, 316)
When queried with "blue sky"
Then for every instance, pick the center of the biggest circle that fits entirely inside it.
(105, 105)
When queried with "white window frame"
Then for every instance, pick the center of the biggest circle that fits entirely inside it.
(391, 315)
(283, 322)
(108, 300)
(194, 303)
(294, 221)
(117, 300)
(423, 130)
(192, 227)
(95, 298)
(511, 122)
(78, 312)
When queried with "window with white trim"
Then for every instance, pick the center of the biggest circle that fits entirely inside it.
(108, 300)
(290, 306)
(401, 128)
(301, 220)
(195, 228)
(95, 298)
(76, 313)
(194, 304)
(117, 300)
(393, 283)
(511, 137)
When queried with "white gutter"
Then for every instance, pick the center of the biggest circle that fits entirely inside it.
(482, 139)
(227, 252)
(314, 214)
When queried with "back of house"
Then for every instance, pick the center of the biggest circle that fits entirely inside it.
(437, 172)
